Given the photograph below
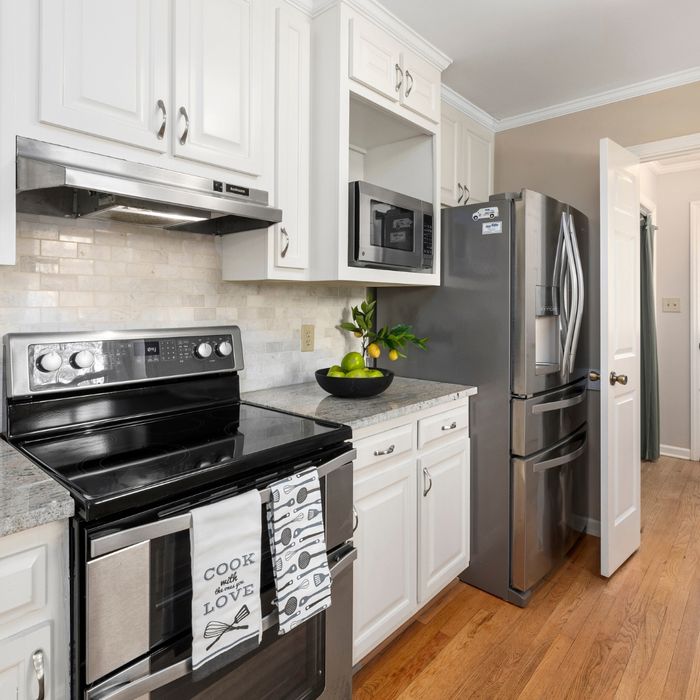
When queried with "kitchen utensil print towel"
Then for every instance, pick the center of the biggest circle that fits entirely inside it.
(298, 545)
(225, 542)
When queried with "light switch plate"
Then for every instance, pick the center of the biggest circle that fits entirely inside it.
(671, 305)
(307, 338)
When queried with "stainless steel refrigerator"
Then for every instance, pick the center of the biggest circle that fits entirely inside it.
(507, 319)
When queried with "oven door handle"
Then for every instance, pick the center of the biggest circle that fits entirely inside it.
(178, 523)
(131, 689)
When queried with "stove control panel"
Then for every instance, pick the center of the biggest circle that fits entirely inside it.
(59, 362)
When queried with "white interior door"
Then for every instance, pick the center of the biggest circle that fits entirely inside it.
(620, 461)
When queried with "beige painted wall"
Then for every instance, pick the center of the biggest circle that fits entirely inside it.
(560, 157)
(674, 193)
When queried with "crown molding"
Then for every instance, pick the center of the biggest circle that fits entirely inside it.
(454, 99)
(667, 148)
(627, 92)
(391, 24)
(661, 168)
(305, 6)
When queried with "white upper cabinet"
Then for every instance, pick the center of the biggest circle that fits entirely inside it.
(218, 75)
(443, 519)
(466, 159)
(104, 68)
(421, 86)
(292, 152)
(375, 59)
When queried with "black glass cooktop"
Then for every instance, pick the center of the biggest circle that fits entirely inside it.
(116, 468)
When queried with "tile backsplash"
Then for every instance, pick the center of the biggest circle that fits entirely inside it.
(92, 276)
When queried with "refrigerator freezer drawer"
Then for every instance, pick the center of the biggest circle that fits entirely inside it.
(546, 419)
(545, 491)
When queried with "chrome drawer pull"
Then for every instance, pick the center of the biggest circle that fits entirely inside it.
(38, 661)
(356, 519)
(183, 137)
(451, 426)
(161, 106)
(426, 475)
(388, 451)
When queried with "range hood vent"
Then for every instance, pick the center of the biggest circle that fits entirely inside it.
(60, 181)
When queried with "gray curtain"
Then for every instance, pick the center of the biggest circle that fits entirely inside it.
(649, 359)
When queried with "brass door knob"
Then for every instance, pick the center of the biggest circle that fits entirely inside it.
(594, 376)
(618, 379)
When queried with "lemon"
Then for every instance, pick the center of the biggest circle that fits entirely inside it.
(353, 360)
(393, 355)
(373, 350)
(357, 374)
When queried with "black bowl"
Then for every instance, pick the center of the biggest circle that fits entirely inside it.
(345, 388)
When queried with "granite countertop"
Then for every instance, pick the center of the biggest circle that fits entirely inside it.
(404, 396)
(28, 496)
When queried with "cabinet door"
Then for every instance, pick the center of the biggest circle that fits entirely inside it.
(18, 677)
(104, 67)
(375, 59)
(218, 67)
(449, 159)
(385, 571)
(293, 72)
(421, 86)
(443, 517)
(478, 161)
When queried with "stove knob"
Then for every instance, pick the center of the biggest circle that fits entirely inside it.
(224, 349)
(50, 361)
(83, 359)
(203, 350)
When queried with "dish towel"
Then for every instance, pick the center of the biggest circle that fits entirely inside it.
(298, 545)
(225, 544)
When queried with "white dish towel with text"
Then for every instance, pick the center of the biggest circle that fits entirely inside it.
(298, 546)
(225, 544)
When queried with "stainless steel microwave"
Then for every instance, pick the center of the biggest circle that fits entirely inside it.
(389, 230)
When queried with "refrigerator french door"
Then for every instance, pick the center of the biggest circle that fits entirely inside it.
(508, 318)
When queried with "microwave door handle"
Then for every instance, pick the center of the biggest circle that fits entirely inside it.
(133, 689)
(178, 523)
(581, 292)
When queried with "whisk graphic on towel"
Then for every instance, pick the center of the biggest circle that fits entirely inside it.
(219, 629)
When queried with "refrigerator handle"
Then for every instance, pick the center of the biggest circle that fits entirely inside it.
(573, 287)
(564, 459)
(581, 292)
(558, 405)
(560, 283)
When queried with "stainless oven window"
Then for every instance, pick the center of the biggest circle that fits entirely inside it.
(393, 227)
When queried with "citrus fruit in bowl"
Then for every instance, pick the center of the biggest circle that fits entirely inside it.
(352, 380)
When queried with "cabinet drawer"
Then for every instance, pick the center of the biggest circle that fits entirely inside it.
(442, 425)
(384, 445)
(22, 582)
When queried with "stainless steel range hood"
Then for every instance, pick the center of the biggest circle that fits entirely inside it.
(60, 181)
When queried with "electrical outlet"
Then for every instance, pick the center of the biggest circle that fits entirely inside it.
(671, 305)
(307, 338)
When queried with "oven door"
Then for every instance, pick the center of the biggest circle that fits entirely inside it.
(138, 586)
(388, 228)
(314, 660)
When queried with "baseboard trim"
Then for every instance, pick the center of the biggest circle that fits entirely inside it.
(673, 451)
(590, 526)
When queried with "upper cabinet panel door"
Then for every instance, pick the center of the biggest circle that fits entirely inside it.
(421, 87)
(449, 145)
(478, 175)
(293, 97)
(104, 69)
(375, 59)
(218, 65)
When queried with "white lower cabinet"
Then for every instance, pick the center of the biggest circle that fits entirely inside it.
(412, 519)
(385, 570)
(20, 678)
(443, 517)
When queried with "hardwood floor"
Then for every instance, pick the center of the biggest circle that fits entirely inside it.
(636, 635)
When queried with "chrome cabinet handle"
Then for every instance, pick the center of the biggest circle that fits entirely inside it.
(450, 426)
(356, 519)
(38, 661)
(161, 106)
(460, 189)
(388, 451)
(183, 138)
(285, 242)
(399, 78)
(618, 379)
(467, 193)
(409, 87)
(426, 475)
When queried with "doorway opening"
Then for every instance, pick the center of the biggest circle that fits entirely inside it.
(670, 216)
